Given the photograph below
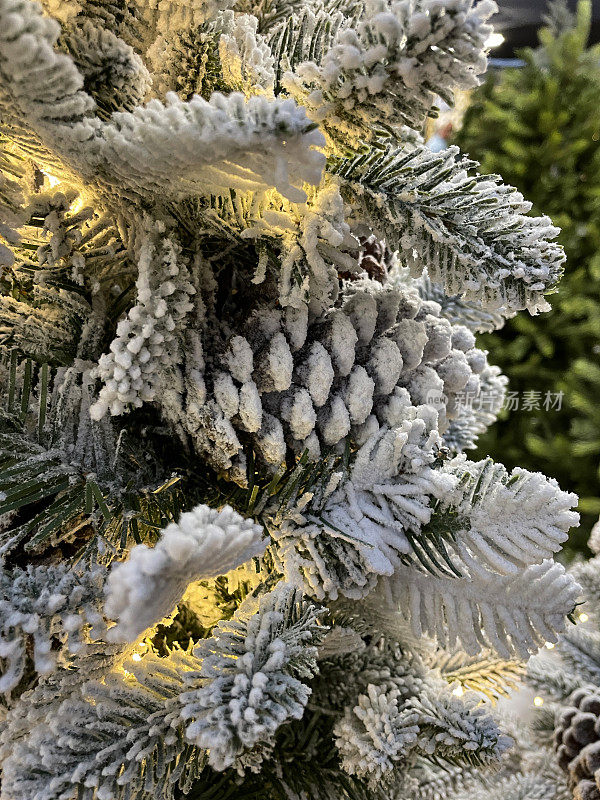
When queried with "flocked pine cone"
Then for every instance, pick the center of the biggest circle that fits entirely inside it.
(290, 384)
(577, 743)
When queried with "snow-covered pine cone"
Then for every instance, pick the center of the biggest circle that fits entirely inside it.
(289, 384)
(577, 743)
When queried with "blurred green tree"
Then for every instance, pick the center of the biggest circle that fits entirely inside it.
(539, 126)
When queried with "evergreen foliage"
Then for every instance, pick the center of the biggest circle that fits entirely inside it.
(538, 127)
(237, 528)
(558, 739)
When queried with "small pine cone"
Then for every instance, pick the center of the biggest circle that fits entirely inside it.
(577, 743)
(288, 384)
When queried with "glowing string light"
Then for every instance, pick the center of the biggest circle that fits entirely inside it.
(52, 179)
(494, 40)
(78, 205)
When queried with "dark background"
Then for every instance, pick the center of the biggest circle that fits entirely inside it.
(518, 21)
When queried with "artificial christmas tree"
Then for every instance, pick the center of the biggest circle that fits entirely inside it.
(538, 127)
(237, 523)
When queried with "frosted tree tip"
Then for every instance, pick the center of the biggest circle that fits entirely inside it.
(147, 586)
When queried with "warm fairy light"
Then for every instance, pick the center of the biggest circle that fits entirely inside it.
(549, 645)
(538, 701)
(52, 179)
(494, 40)
(583, 617)
(136, 657)
(459, 691)
(78, 205)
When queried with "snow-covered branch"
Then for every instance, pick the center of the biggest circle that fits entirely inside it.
(203, 544)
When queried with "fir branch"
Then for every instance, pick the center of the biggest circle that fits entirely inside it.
(470, 231)
(252, 675)
(551, 679)
(579, 649)
(203, 543)
(506, 521)
(486, 674)
(512, 614)
(379, 65)
(48, 498)
(57, 608)
(257, 140)
(137, 744)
